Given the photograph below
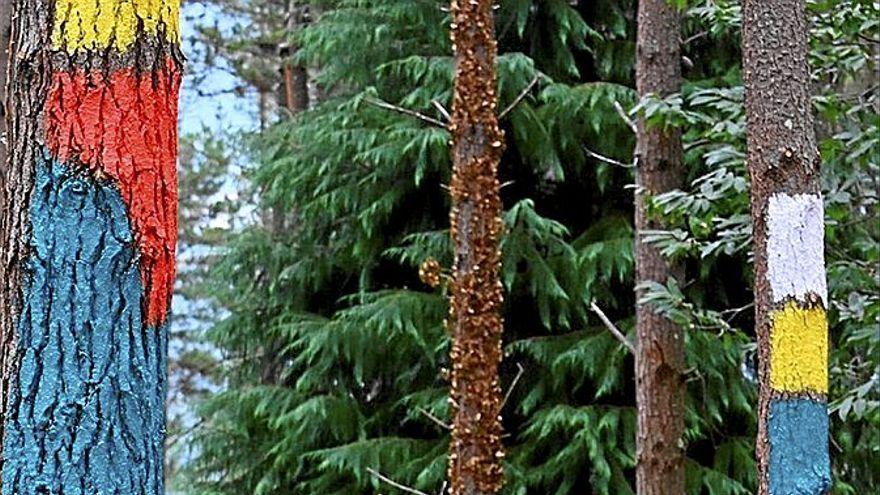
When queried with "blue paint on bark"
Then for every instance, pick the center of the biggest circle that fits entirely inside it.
(798, 434)
(86, 411)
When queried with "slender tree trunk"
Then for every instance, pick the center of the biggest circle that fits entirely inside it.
(476, 452)
(791, 295)
(88, 236)
(660, 347)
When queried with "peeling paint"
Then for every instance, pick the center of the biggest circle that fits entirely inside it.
(798, 434)
(799, 349)
(124, 127)
(99, 24)
(796, 247)
(78, 421)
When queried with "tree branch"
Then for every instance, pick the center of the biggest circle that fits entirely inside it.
(606, 159)
(393, 483)
(518, 99)
(433, 418)
(519, 375)
(625, 117)
(405, 111)
(612, 328)
(440, 108)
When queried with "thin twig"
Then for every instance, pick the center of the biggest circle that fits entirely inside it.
(443, 487)
(625, 117)
(606, 159)
(393, 483)
(518, 99)
(613, 329)
(519, 375)
(405, 111)
(433, 418)
(440, 108)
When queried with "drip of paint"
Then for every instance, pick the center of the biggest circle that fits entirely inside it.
(798, 349)
(99, 24)
(796, 247)
(124, 127)
(86, 410)
(798, 434)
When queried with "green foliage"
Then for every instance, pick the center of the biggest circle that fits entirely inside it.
(334, 352)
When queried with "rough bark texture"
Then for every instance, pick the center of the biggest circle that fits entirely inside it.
(660, 346)
(476, 452)
(87, 238)
(5, 31)
(790, 291)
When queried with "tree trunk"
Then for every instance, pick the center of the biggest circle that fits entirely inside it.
(88, 238)
(5, 18)
(476, 452)
(660, 346)
(791, 295)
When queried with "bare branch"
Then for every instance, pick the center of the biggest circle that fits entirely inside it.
(519, 98)
(433, 418)
(612, 328)
(625, 117)
(440, 108)
(393, 483)
(606, 159)
(406, 111)
(519, 375)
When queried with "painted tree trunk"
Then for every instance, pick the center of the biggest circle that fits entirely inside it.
(660, 347)
(791, 296)
(88, 240)
(476, 452)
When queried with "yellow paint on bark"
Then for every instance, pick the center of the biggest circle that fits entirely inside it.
(799, 349)
(100, 24)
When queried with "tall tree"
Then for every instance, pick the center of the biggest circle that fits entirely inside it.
(88, 239)
(791, 295)
(660, 363)
(476, 452)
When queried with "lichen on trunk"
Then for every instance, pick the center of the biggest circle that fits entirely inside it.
(476, 452)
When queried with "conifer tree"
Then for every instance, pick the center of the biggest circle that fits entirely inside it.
(791, 295)
(660, 389)
(87, 236)
(476, 452)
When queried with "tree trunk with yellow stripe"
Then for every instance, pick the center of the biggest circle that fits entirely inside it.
(791, 296)
(88, 240)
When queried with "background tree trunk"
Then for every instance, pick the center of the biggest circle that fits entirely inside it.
(88, 238)
(787, 214)
(660, 346)
(476, 452)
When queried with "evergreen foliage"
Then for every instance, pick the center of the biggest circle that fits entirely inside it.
(334, 351)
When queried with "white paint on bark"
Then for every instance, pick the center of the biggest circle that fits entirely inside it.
(796, 247)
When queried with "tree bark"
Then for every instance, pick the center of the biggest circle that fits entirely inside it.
(5, 27)
(791, 295)
(660, 347)
(87, 237)
(476, 452)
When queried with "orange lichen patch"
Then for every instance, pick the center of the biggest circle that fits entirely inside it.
(476, 452)
(430, 272)
(123, 126)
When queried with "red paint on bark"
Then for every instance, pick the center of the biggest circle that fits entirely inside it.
(123, 127)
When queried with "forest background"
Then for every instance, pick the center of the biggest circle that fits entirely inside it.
(308, 348)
